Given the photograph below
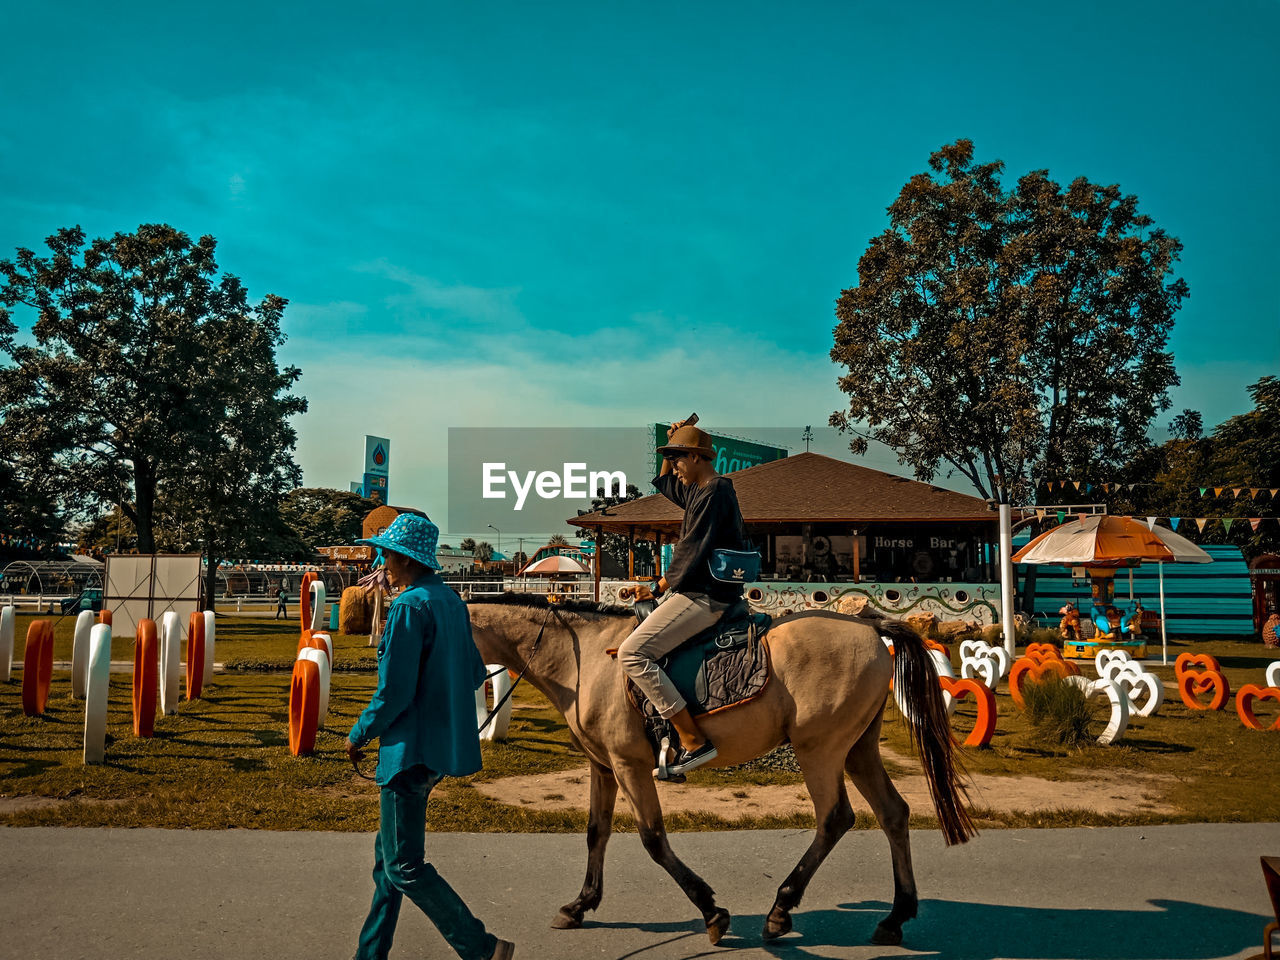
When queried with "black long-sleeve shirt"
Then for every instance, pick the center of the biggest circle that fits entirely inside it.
(712, 520)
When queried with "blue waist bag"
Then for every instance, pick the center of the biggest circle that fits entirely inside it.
(735, 566)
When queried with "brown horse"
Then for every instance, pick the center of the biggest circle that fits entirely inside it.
(826, 696)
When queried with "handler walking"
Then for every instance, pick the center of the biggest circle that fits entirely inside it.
(424, 714)
(712, 520)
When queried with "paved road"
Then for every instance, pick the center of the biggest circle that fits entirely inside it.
(1154, 893)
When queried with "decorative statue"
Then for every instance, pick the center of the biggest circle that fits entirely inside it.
(1133, 622)
(1070, 624)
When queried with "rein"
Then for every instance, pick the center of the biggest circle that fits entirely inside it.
(505, 697)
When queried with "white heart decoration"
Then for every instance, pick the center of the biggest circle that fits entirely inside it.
(1003, 659)
(943, 666)
(1107, 657)
(973, 648)
(1139, 685)
(1119, 705)
(1273, 674)
(986, 669)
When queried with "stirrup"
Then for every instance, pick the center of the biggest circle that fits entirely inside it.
(663, 770)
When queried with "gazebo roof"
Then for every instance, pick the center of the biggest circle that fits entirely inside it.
(808, 488)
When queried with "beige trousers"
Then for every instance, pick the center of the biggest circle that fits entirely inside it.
(677, 619)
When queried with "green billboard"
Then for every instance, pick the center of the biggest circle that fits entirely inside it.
(731, 453)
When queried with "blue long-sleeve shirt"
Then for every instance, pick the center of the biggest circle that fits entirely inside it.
(424, 709)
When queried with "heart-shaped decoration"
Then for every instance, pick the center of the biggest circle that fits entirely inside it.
(985, 726)
(1040, 652)
(1193, 683)
(1244, 705)
(1144, 689)
(1027, 670)
(979, 648)
(937, 647)
(1115, 694)
(1108, 657)
(1190, 661)
(943, 667)
(986, 669)
(1273, 674)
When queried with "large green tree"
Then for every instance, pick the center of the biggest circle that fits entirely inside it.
(1000, 332)
(323, 517)
(148, 373)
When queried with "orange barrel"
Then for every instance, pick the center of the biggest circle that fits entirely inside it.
(37, 668)
(146, 679)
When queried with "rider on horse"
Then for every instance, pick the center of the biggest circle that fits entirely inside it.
(694, 599)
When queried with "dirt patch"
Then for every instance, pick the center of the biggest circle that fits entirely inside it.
(1103, 793)
(25, 803)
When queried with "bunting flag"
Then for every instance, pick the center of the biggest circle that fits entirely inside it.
(1080, 517)
(1173, 522)
(1077, 483)
(1202, 491)
(1151, 523)
(1062, 516)
(1226, 524)
(1254, 522)
(1087, 488)
(1200, 522)
(1253, 492)
(1273, 491)
(1235, 491)
(1040, 513)
(1217, 491)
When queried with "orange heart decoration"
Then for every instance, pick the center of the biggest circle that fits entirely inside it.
(1192, 683)
(1244, 705)
(935, 645)
(1040, 652)
(304, 599)
(146, 678)
(984, 697)
(304, 707)
(1189, 661)
(37, 667)
(195, 655)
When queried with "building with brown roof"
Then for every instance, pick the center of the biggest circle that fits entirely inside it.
(818, 519)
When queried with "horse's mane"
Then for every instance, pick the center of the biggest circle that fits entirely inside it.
(587, 609)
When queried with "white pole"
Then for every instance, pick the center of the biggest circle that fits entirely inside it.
(1164, 630)
(1006, 577)
(1131, 584)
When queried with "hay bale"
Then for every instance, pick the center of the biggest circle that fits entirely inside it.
(355, 611)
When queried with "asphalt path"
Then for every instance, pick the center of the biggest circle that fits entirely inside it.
(1191, 892)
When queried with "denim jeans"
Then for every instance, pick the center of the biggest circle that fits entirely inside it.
(400, 871)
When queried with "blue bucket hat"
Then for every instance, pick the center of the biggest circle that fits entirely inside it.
(413, 536)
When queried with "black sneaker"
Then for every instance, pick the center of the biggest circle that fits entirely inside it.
(687, 760)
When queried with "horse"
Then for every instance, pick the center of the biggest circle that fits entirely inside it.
(826, 696)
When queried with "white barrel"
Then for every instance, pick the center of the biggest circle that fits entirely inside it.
(80, 653)
(210, 629)
(170, 662)
(496, 729)
(322, 662)
(6, 643)
(317, 606)
(97, 677)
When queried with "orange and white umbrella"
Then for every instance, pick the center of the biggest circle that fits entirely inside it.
(1109, 541)
(555, 564)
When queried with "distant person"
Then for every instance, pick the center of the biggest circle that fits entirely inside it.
(423, 712)
(282, 605)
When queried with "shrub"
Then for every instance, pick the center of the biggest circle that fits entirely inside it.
(1059, 711)
(1045, 635)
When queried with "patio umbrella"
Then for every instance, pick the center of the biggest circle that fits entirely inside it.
(1112, 541)
(553, 565)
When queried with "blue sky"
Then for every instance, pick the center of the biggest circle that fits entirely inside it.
(564, 214)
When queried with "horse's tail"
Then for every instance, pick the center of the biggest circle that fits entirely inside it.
(916, 682)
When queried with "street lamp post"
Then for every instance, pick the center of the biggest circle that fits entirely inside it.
(499, 532)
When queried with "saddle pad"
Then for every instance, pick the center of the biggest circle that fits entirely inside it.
(715, 672)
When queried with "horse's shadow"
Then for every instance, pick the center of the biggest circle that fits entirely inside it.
(960, 930)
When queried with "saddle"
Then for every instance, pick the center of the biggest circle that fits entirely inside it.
(722, 667)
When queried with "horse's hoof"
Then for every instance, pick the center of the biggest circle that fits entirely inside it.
(718, 925)
(566, 921)
(777, 924)
(887, 936)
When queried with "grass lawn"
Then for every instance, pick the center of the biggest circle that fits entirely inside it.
(223, 760)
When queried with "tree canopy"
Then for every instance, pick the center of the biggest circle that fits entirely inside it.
(1001, 332)
(148, 374)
